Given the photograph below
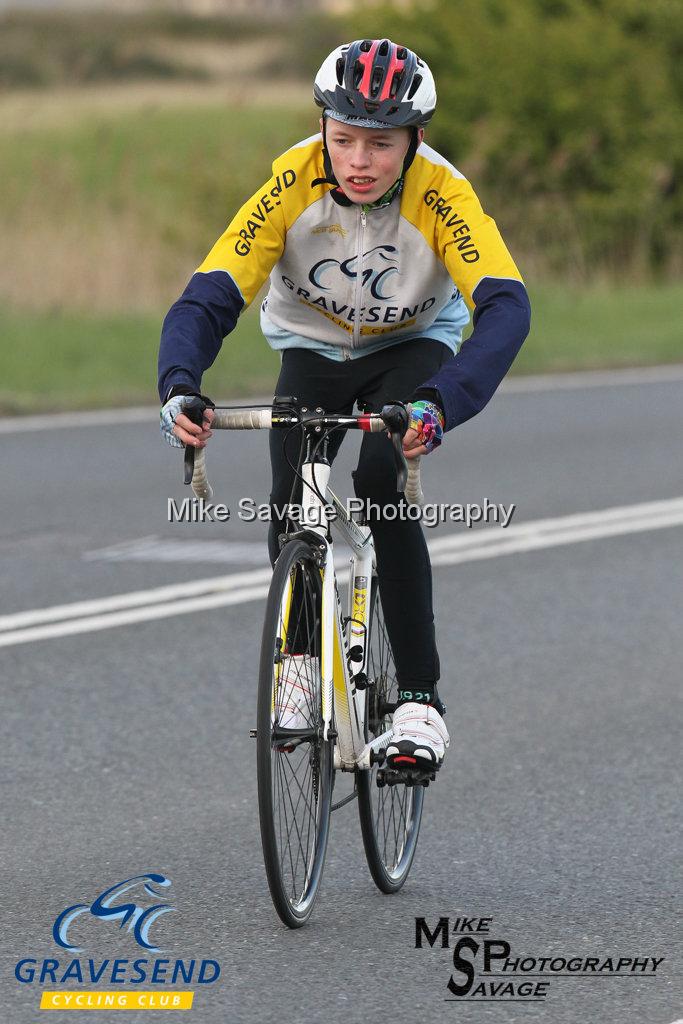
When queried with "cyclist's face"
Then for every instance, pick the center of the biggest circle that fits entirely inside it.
(366, 161)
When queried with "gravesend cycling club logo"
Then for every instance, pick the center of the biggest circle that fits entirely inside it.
(138, 918)
(133, 907)
(378, 267)
(485, 968)
(328, 281)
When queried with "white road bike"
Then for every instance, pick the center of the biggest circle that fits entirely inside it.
(337, 670)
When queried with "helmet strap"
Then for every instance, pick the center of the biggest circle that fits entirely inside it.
(337, 194)
(412, 150)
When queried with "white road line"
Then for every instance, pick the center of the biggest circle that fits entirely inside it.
(125, 618)
(513, 385)
(135, 599)
(91, 418)
(98, 417)
(157, 549)
(252, 585)
(593, 379)
(619, 519)
(531, 542)
(215, 552)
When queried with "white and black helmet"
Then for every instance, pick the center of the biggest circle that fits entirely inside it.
(377, 81)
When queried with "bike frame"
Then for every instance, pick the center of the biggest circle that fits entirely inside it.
(341, 699)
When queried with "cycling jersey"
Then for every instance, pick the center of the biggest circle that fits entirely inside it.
(347, 280)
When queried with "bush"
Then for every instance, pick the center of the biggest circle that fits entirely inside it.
(63, 47)
(566, 115)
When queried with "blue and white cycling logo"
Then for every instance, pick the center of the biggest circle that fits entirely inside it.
(138, 918)
(379, 265)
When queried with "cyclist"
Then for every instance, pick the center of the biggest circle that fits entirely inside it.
(375, 246)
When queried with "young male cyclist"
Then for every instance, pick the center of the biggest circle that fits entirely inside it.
(375, 246)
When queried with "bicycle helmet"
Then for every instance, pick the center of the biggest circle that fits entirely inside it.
(376, 83)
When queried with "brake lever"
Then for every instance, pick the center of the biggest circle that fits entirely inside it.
(396, 418)
(188, 464)
(401, 464)
(194, 410)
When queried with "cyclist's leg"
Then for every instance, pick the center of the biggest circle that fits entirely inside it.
(403, 563)
(316, 381)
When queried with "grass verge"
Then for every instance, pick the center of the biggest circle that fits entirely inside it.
(77, 361)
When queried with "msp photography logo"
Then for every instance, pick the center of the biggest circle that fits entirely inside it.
(430, 514)
(133, 905)
(487, 970)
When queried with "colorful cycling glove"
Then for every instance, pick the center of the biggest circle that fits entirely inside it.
(428, 420)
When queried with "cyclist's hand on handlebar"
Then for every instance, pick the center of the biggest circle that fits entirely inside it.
(179, 429)
(425, 429)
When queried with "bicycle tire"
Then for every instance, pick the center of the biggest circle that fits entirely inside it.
(295, 779)
(390, 817)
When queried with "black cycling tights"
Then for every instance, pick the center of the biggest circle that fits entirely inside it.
(404, 570)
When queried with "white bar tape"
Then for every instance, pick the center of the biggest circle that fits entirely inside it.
(413, 491)
(227, 419)
(200, 484)
(242, 419)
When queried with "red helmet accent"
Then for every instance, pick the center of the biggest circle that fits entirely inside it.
(376, 80)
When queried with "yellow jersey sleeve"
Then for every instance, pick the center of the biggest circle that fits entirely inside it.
(448, 214)
(255, 238)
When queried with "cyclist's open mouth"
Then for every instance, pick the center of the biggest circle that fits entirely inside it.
(361, 184)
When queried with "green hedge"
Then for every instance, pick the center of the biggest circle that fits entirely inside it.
(566, 114)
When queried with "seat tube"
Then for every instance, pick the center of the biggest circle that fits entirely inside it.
(360, 590)
(327, 652)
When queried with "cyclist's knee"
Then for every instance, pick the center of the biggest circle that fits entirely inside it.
(375, 479)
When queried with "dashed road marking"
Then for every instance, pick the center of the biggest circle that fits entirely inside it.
(252, 585)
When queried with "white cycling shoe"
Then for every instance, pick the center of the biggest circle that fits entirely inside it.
(297, 691)
(419, 738)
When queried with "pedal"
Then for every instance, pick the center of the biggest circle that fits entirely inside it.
(395, 777)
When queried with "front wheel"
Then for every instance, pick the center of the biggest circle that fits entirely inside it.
(294, 763)
(390, 816)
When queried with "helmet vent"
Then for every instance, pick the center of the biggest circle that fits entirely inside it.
(377, 80)
(416, 83)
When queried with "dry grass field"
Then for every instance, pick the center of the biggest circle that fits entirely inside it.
(115, 187)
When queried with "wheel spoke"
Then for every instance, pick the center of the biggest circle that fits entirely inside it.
(390, 815)
(296, 786)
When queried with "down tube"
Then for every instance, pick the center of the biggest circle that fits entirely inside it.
(360, 585)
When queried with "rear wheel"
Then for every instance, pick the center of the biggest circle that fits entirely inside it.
(390, 815)
(294, 764)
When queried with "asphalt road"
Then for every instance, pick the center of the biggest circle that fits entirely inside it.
(126, 750)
